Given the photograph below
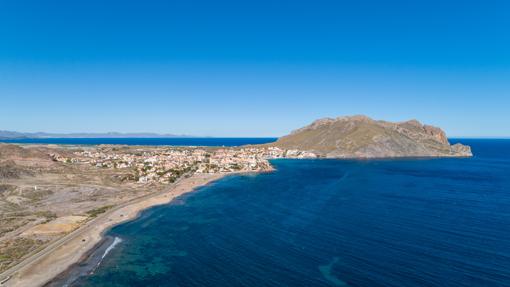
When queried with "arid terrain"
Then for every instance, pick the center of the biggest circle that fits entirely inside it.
(362, 137)
(48, 191)
(42, 199)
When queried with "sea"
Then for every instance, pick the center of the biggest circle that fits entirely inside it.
(177, 141)
(392, 222)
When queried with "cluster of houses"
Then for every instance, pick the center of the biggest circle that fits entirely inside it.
(167, 165)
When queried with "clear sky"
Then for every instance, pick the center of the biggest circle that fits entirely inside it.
(252, 68)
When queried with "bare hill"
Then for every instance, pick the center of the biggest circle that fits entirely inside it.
(363, 137)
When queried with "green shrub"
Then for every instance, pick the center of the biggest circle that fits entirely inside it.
(95, 212)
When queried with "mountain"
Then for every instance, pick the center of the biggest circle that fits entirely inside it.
(10, 135)
(19, 135)
(363, 137)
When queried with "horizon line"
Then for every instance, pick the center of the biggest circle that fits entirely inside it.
(169, 136)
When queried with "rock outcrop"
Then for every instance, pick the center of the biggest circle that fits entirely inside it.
(363, 137)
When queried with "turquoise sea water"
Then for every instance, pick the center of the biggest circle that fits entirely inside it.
(412, 222)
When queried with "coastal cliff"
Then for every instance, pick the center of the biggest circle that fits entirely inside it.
(363, 137)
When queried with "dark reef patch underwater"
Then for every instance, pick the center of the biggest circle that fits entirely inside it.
(410, 222)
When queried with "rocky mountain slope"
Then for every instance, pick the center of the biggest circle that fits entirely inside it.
(363, 137)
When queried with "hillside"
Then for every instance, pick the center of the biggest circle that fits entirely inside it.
(363, 137)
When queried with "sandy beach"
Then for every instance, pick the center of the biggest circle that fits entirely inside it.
(42, 267)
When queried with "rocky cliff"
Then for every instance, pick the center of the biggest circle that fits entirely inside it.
(363, 137)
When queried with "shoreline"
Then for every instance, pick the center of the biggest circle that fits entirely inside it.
(83, 266)
(40, 269)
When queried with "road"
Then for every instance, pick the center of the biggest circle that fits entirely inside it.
(78, 232)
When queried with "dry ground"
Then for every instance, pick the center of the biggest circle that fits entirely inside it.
(42, 200)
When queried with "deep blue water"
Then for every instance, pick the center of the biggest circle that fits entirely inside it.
(146, 141)
(413, 222)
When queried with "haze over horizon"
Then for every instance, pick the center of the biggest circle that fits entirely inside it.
(258, 68)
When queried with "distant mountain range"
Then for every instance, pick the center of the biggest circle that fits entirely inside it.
(20, 135)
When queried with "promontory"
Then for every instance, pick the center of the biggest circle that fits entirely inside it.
(363, 137)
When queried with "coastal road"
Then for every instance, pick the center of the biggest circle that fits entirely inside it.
(9, 273)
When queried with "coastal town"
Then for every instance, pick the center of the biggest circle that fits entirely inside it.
(49, 192)
(166, 165)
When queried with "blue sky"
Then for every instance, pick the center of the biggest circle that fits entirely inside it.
(252, 68)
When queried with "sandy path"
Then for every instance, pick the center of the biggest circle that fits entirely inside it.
(41, 267)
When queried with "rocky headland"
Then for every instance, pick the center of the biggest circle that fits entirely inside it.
(363, 137)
